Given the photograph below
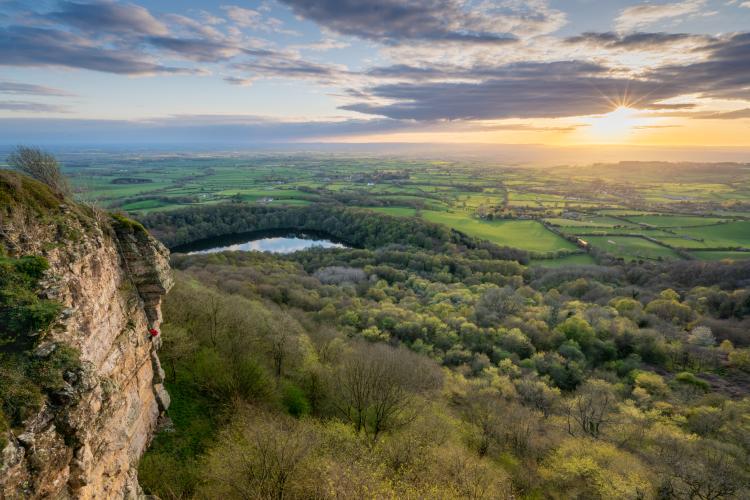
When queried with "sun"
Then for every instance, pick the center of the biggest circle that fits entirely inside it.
(616, 125)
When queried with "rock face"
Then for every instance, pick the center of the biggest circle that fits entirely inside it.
(110, 275)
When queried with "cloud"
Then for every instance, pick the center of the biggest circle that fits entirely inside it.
(636, 41)
(255, 19)
(396, 21)
(322, 45)
(554, 89)
(196, 49)
(671, 106)
(267, 63)
(30, 46)
(645, 14)
(34, 107)
(523, 90)
(193, 129)
(242, 16)
(30, 89)
(724, 74)
(231, 129)
(107, 16)
(727, 115)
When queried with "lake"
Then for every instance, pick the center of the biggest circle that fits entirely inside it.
(273, 241)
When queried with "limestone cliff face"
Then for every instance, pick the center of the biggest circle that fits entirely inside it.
(110, 275)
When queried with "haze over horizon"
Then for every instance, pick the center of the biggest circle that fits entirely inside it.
(642, 80)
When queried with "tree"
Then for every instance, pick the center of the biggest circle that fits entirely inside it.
(538, 395)
(376, 384)
(497, 303)
(259, 457)
(699, 468)
(702, 336)
(41, 166)
(177, 345)
(740, 359)
(592, 407)
(583, 468)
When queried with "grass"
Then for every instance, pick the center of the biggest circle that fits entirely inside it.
(524, 234)
(631, 247)
(730, 235)
(578, 259)
(674, 220)
(714, 255)
(587, 221)
(397, 211)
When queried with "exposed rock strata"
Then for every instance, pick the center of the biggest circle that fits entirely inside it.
(110, 275)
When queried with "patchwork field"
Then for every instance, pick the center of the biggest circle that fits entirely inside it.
(706, 215)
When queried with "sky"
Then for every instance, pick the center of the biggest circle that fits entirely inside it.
(569, 73)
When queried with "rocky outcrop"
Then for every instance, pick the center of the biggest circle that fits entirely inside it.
(110, 276)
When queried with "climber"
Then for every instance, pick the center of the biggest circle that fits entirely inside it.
(153, 332)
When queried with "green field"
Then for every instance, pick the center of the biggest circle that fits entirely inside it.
(673, 220)
(525, 234)
(631, 247)
(720, 255)
(730, 235)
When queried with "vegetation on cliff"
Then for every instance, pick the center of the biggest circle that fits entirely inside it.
(28, 372)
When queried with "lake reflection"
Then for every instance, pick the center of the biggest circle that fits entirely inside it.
(273, 241)
(274, 245)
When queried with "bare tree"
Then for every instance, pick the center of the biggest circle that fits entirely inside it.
(376, 386)
(41, 166)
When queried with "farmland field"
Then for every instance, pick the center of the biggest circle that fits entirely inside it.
(523, 234)
(673, 221)
(720, 255)
(509, 206)
(733, 234)
(632, 247)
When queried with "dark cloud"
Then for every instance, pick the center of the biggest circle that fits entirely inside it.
(394, 21)
(724, 74)
(30, 89)
(29, 46)
(514, 71)
(522, 90)
(671, 106)
(34, 107)
(635, 41)
(110, 17)
(195, 49)
(192, 129)
(264, 63)
(557, 89)
(237, 129)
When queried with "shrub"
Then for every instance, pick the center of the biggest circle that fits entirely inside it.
(688, 379)
(295, 401)
(41, 166)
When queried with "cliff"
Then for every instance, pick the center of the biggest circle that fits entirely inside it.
(109, 275)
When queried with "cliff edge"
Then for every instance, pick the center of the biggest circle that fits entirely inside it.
(108, 275)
